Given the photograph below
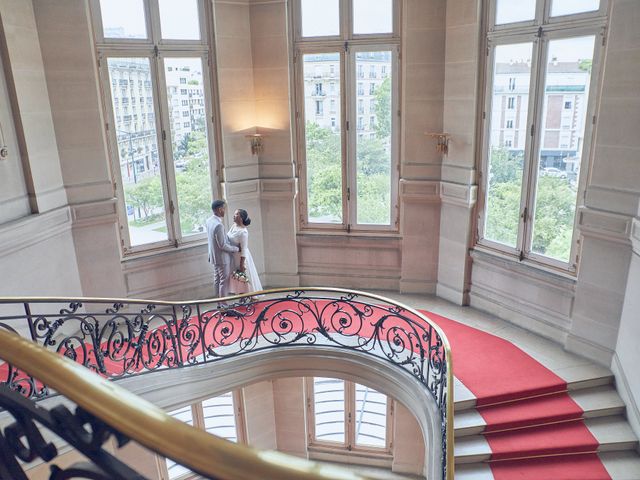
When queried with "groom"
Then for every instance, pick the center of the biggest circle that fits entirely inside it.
(220, 249)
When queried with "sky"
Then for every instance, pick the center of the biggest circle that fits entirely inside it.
(563, 50)
(519, 10)
(321, 17)
(178, 18)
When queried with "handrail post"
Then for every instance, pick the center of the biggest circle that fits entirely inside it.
(32, 328)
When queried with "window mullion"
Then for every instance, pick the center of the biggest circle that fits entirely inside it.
(350, 140)
(347, 122)
(164, 142)
(536, 124)
(153, 21)
(350, 414)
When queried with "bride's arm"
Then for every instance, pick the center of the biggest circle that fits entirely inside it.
(244, 244)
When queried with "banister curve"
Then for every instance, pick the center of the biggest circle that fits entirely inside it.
(213, 457)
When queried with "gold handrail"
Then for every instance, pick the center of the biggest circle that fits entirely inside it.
(150, 426)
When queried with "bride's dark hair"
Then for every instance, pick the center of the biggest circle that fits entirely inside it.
(246, 221)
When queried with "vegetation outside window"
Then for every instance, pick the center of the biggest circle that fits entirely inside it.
(154, 66)
(348, 166)
(538, 121)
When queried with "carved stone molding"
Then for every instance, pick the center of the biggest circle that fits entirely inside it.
(31, 230)
(458, 194)
(604, 225)
(94, 213)
(427, 191)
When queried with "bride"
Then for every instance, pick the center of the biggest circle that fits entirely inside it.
(243, 261)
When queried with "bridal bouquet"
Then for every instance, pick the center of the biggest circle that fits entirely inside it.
(239, 282)
(240, 276)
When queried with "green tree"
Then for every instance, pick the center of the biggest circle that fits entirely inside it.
(324, 172)
(554, 208)
(146, 195)
(382, 109)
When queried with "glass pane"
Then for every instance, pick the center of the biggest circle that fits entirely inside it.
(372, 16)
(179, 19)
(567, 82)
(374, 134)
(220, 417)
(135, 129)
(508, 134)
(510, 11)
(371, 417)
(320, 18)
(323, 138)
(328, 397)
(187, 117)
(123, 19)
(184, 415)
(569, 7)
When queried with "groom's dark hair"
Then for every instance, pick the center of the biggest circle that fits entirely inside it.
(217, 204)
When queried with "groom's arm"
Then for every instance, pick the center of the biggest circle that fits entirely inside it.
(221, 240)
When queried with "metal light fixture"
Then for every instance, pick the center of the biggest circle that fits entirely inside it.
(442, 139)
(256, 143)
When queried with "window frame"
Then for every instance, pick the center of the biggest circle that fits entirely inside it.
(541, 31)
(197, 415)
(157, 50)
(349, 445)
(346, 45)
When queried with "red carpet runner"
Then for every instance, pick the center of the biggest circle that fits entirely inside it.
(532, 423)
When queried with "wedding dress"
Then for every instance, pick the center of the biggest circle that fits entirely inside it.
(239, 236)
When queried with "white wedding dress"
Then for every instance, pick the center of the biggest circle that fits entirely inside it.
(239, 236)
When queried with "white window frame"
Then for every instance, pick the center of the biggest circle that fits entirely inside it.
(349, 446)
(197, 414)
(539, 32)
(157, 50)
(346, 45)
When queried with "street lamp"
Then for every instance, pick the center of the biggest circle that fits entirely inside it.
(131, 152)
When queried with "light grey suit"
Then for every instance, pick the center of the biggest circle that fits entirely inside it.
(220, 251)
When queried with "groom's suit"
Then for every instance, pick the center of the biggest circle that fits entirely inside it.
(220, 251)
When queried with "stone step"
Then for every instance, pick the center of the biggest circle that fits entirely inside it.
(595, 402)
(578, 378)
(623, 465)
(613, 433)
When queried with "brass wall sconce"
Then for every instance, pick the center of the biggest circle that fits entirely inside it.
(256, 143)
(442, 139)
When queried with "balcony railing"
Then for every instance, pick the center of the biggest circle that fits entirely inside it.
(119, 338)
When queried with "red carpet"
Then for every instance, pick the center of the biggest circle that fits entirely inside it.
(531, 412)
(574, 467)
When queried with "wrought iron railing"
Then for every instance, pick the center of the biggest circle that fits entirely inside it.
(119, 338)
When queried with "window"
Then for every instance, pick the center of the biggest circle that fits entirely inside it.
(348, 416)
(348, 177)
(319, 104)
(156, 201)
(532, 181)
(222, 416)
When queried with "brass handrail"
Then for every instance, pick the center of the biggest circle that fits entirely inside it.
(152, 427)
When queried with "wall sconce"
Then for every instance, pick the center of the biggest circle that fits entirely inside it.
(256, 143)
(442, 139)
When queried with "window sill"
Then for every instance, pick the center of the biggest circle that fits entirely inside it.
(526, 266)
(355, 457)
(163, 250)
(353, 233)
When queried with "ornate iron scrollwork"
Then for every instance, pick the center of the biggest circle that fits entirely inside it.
(23, 441)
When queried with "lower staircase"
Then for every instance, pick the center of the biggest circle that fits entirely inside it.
(575, 433)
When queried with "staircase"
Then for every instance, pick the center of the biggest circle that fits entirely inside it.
(545, 437)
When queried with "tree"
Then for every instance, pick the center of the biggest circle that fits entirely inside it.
(145, 195)
(554, 207)
(324, 172)
(382, 109)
